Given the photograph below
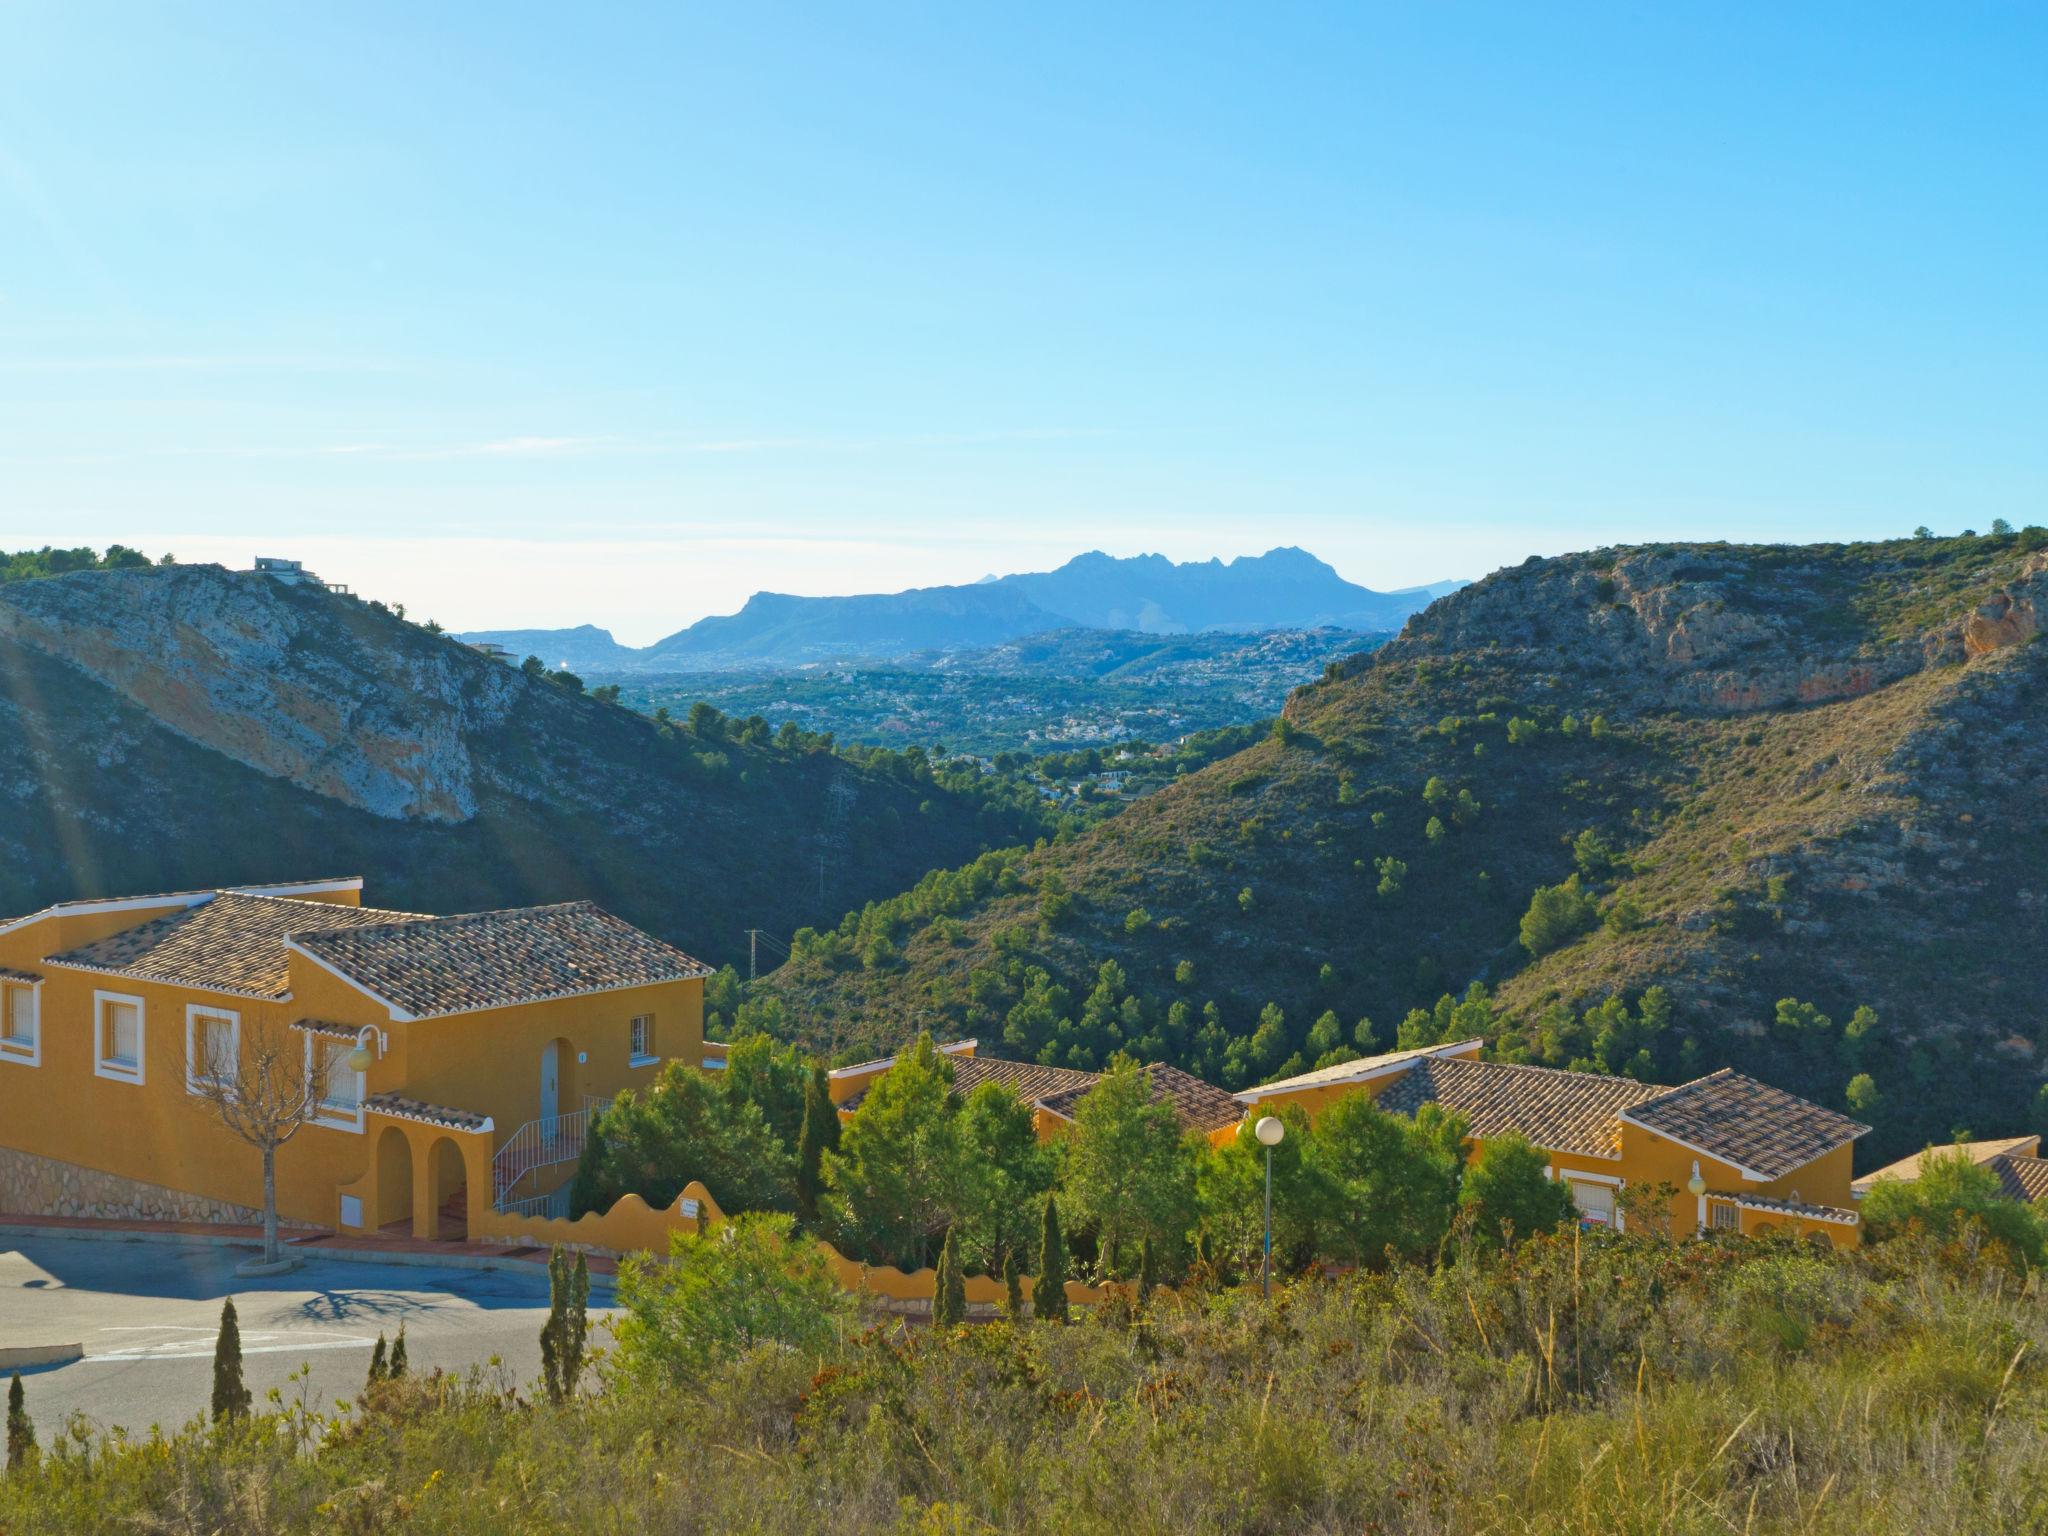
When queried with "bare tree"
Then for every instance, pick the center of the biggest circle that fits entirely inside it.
(263, 1093)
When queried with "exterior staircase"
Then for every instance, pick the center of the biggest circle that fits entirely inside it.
(540, 1144)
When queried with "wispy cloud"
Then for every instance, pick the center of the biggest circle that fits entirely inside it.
(496, 448)
(541, 446)
(198, 362)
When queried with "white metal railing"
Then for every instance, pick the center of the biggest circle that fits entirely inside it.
(543, 1143)
(554, 1204)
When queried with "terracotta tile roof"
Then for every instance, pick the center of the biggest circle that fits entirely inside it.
(1793, 1208)
(399, 1107)
(1027, 1079)
(2020, 1177)
(1199, 1106)
(1907, 1169)
(1031, 1082)
(1356, 1069)
(1753, 1126)
(187, 898)
(1557, 1110)
(231, 942)
(494, 959)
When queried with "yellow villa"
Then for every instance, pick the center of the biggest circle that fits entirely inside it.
(1743, 1156)
(482, 1039)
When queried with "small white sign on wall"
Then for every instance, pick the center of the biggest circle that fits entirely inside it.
(352, 1211)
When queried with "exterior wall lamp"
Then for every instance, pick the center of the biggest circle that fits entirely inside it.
(362, 1056)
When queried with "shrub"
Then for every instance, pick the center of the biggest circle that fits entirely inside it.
(1507, 1193)
(749, 1282)
(1950, 1195)
(1557, 914)
(685, 1127)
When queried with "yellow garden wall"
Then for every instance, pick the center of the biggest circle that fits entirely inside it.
(633, 1226)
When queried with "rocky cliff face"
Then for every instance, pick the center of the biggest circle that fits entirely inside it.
(182, 727)
(293, 682)
(1728, 629)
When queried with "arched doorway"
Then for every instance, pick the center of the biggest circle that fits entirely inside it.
(448, 1213)
(394, 1177)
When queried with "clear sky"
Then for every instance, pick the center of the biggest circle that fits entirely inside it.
(542, 314)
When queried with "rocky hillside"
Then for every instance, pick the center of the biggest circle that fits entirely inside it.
(187, 726)
(1739, 774)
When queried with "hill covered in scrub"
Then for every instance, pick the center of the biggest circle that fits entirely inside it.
(1743, 776)
(184, 726)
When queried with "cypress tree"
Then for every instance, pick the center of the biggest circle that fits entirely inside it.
(579, 1323)
(554, 1333)
(231, 1397)
(398, 1354)
(949, 1288)
(378, 1366)
(819, 1135)
(1049, 1293)
(21, 1434)
(1013, 1287)
(1147, 1278)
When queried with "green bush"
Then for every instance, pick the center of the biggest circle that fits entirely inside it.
(748, 1283)
(1557, 915)
(1953, 1194)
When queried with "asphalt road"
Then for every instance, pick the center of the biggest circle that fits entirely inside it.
(147, 1313)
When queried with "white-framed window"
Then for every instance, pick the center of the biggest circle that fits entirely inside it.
(1723, 1217)
(341, 1088)
(21, 1035)
(117, 1025)
(213, 1044)
(642, 1049)
(1595, 1201)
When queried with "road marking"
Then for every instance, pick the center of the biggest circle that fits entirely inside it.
(254, 1342)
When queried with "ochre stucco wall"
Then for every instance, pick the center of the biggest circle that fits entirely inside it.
(158, 1132)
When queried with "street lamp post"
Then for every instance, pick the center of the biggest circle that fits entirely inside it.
(1269, 1130)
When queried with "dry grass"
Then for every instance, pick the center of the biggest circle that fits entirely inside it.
(1604, 1387)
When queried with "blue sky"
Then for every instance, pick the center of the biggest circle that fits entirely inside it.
(528, 314)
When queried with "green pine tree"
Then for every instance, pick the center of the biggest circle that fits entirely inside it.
(1147, 1277)
(379, 1367)
(1013, 1287)
(1049, 1293)
(819, 1135)
(231, 1397)
(949, 1288)
(21, 1434)
(398, 1354)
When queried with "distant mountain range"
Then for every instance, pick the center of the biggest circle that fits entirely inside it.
(1282, 589)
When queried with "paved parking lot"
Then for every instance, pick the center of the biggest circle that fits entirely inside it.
(147, 1311)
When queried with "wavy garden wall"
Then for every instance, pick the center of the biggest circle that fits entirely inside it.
(634, 1226)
